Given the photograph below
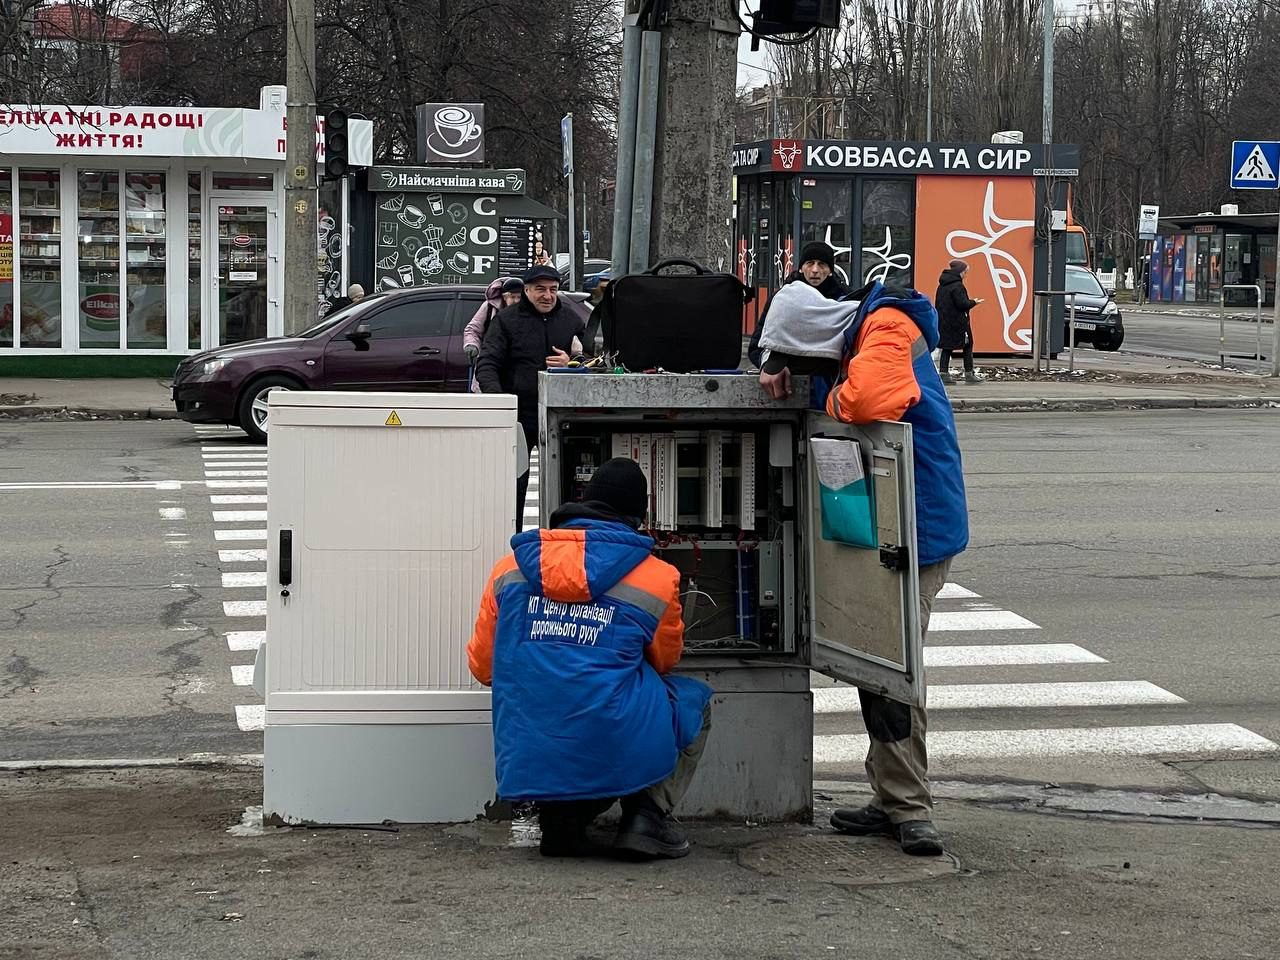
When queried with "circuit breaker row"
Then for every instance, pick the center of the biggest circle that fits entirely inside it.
(704, 479)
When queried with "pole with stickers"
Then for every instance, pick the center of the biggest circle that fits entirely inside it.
(1255, 165)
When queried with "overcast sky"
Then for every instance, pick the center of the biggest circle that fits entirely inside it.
(747, 59)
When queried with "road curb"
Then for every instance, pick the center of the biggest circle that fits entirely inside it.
(1101, 404)
(44, 412)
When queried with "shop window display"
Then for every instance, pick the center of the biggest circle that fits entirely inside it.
(888, 231)
(825, 208)
(40, 256)
(6, 257)
(146, 260)
(98, 254)
(193, 261)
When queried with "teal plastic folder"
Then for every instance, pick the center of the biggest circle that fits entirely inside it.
(849, 515)
(847, 495)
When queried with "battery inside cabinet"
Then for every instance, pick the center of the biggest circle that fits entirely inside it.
(715, 509)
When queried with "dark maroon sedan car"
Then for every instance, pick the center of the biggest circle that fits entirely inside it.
(401, 340)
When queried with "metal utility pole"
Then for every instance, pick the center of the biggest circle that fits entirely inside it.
(620, 249)
(1275, 317)
(1046, 338)
(1047, 117)
(566, 136)
(300, 169)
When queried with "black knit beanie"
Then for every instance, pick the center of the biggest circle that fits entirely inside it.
(620, 484)
(817, 250)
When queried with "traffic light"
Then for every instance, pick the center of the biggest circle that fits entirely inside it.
(795, 16)
(335, 143)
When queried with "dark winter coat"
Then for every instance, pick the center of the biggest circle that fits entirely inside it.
(953, 304)
(515, 350)
(833, 288)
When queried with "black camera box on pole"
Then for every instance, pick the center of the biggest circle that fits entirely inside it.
(680, 322)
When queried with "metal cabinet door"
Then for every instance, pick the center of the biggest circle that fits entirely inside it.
(863, 605)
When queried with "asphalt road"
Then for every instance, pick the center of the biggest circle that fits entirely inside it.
(1144, 539)
(1193, 338)
(108, 616)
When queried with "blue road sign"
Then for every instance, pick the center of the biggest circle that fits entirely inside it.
(1255, 165)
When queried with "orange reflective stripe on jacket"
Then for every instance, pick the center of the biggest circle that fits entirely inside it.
(480, 648)
(880, 383)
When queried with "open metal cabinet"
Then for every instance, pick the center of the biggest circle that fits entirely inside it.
(735, 506)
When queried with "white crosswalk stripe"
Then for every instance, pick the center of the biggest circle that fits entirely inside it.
(989, 696)
(1008, 655)
(950, 621)
(239, 516)
(245, 578)
(238, 640)
(244, 608)
(1170, 740)
(242, 556)
(251, 718)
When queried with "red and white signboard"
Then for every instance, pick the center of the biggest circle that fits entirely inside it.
(161, 132)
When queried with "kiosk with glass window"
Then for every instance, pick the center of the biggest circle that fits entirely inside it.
(898, 213)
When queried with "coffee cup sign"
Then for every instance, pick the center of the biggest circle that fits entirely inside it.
(425, 240)
(450, 132)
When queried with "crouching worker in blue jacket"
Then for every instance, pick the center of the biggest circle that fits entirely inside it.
(577, 633)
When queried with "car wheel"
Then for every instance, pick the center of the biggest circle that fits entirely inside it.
(252, 411)
(1109, 342)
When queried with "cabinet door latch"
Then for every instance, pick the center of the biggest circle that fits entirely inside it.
(894, 558)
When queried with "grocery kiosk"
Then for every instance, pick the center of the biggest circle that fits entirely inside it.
(898, 212)
(133, 235)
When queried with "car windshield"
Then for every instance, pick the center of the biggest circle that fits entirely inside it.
(1081, 281)
(333, 319)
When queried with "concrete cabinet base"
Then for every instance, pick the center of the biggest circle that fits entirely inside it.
(758, 762)
(370, 773)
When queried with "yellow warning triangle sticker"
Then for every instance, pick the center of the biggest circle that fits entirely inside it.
(394, 420)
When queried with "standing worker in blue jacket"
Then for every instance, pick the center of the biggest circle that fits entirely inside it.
(577, 633)
(889, 375)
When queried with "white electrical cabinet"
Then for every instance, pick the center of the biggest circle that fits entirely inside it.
(386, 513)
(735, 506)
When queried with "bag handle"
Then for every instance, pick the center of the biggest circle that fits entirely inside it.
(678, 262)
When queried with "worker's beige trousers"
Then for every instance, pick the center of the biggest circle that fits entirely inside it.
(897, 761)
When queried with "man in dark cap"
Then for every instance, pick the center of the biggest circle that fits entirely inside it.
(817, 268)
(577, 633)
(522, 340)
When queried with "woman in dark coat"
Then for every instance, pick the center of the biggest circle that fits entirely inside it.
(954, 333)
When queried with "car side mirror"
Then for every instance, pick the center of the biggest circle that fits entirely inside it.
(360, 335)
(1109, 291)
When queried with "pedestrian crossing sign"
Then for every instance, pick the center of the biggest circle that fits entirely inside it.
(1255, 165)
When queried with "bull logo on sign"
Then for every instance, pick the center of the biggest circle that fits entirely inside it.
(786, 152)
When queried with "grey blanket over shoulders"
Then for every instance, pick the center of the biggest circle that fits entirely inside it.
(803, 323)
